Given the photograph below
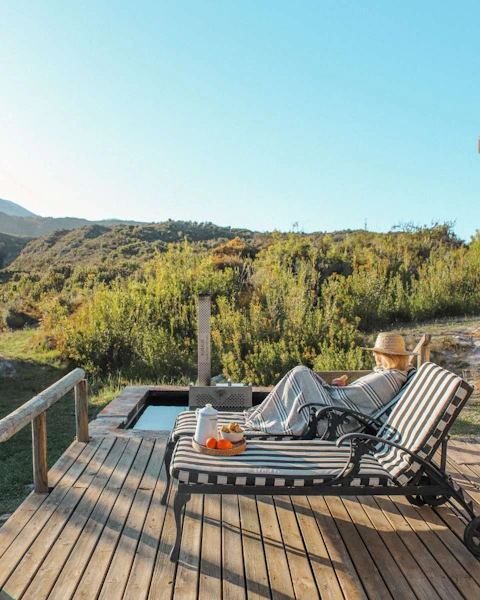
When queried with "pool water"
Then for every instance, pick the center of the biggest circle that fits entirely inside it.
(161, 408)
(158, 418)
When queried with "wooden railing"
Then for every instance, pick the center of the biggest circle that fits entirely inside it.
(33, 412)
(423, 349)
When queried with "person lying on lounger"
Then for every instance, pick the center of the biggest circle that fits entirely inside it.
(279, 413)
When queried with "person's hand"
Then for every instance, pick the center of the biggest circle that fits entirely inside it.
(340, 380)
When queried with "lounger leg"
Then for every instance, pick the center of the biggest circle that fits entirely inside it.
(443, 464)
(178, 504)
(168, 460)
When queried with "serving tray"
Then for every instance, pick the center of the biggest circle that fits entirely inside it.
(237, 448)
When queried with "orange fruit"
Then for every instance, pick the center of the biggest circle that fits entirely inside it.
(224, 444)
(211, 443)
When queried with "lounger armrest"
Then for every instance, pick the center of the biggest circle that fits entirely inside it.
(362, 418)
(337, 415)
(309, 405)
(430, 467)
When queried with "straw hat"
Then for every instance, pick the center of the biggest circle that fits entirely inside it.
(390, 343)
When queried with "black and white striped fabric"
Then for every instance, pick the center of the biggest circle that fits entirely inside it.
(384, 412)
(186, 423)
(421, 419)
(268, 463)
(279, 412)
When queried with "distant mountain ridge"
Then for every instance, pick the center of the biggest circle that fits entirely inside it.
(97, 244)
(32, 243)
(117, 245)
(16, 220)
(38, 226)
(14, 210)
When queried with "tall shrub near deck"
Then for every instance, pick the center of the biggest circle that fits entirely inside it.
(146, 326)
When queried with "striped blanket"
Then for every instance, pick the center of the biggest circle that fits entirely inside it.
(278, 413)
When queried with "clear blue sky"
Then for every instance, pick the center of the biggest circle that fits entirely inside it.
(244, 113)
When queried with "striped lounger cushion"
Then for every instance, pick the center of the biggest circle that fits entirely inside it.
(268, 463)
(421, 419)
(186, 423)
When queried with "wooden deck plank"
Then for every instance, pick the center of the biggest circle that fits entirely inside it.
(411, 570)
(467, 483)
(453, 518)
(256, 576)
(119, 571)
(210, 583)
(469, 562)
(102, 533)
(28, 566)
(66, 461)
(425, 560)
(163, 575)
(302, 577)
(53, 563)
(452, 567)
(20, 518)
(186, 579)
(142, 569)
(15, 524)
(320, 563)
(475, 468)
(23, 541)
(105, 547)
(388, 567)
(232, 551)
(469, 471)
(366, 568)
(72, 571)
(281, 585)
(344, 568)
(462, 452)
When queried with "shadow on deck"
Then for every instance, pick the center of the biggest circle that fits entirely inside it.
(102, 533)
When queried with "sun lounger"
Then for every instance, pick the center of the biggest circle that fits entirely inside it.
(186, 422)
(397, 461)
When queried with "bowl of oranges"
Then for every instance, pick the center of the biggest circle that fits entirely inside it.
(232, 432)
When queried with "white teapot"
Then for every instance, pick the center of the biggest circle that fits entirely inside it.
(207, 424)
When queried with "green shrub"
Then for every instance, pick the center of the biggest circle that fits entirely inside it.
(278, 301)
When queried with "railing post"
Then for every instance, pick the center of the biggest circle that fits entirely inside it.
(424, 351)
(39, 447)
(81, 411)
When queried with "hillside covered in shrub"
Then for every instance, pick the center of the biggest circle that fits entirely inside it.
(97, 244)
(10, 247)
(124, 299)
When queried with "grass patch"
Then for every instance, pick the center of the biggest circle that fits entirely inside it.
(31, 368)
(468, 423)
(23, 345)
(28, 379)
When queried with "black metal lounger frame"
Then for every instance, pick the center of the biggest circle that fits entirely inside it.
(333, 415)
(370, 423)
(431, 484)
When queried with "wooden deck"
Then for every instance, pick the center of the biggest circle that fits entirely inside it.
(102, 533)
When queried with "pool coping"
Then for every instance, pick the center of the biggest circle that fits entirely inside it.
(114, 418)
